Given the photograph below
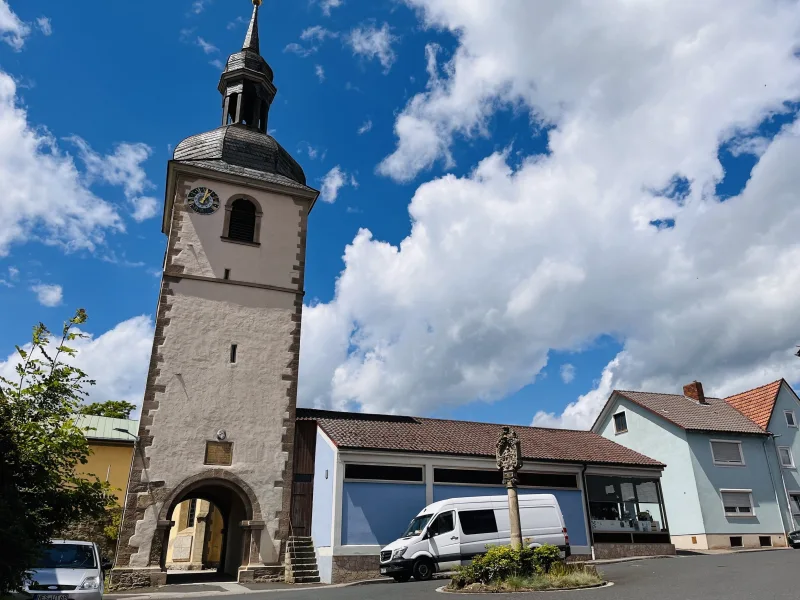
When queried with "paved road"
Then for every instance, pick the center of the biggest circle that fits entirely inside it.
(771, 575)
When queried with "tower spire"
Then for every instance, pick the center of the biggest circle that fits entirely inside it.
(251, 39)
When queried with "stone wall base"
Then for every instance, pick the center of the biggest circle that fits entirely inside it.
(182, 566)
(263, 574)
(346, 569)
(604, 551)
(128, 579)
(723, 541)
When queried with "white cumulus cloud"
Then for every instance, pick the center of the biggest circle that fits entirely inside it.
(333, 181)
(45, 25)
(320, 72)
(117, 360)
(374, 43)
(48, 294)
(519, 258)
(567, 373)
(365, 127)
(327, 5)
(13, 30)
(45, 197)
(122, 168)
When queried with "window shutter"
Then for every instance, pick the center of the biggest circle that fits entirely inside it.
(737, 502)
(726, 452)
(242, 224)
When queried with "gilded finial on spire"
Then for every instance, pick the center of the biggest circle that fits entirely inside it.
(251, 39)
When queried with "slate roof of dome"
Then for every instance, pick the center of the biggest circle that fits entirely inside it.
(240, 149)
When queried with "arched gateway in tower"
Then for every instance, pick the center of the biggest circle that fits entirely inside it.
(219, 406)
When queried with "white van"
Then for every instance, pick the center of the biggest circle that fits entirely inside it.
(450, 533)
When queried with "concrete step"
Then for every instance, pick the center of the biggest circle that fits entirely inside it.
(299, 537)
(300, 545)
(302, 572)
(302, 560)
(309, 579)
(301, 553)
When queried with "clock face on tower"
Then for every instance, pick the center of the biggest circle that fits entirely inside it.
(203, 200)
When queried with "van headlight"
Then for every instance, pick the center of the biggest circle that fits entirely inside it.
(398, 552)
(90, 583)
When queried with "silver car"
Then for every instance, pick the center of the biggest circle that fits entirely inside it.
(68, 570)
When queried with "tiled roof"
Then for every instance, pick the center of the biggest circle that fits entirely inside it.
(757, 404)
(466, 438)
(103, 428)
(718, 415)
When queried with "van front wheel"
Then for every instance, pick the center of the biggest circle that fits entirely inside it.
(423, 569)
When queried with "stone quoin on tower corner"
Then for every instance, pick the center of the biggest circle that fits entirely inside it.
(227, 340)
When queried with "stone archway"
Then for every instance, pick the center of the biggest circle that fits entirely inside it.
(241, 517)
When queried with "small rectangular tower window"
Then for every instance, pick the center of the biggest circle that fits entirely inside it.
(791, 420)
(233, 353)
(227, 274)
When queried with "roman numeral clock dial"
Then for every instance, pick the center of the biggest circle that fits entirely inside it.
(203, 200)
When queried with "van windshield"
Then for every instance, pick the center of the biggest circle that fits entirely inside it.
(66, 556)
(417, 525)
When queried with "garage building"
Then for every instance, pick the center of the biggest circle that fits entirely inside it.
(360, 478)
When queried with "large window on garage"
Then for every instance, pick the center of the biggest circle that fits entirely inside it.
(362, 472)
(474, 522)
(495, 477)
(626, 509)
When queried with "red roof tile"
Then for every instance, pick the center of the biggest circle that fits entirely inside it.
(466, 438)
(757, 404)
(688, 414)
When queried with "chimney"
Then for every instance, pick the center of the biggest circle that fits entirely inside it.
(694, 391)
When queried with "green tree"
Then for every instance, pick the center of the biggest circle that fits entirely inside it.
(116, 409)
(40, 447)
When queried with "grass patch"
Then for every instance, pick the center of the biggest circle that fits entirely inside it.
(561, 577)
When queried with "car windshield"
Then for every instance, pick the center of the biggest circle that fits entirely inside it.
(67, 556)
(417, 525)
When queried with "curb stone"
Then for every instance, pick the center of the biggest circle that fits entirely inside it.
(605, 584)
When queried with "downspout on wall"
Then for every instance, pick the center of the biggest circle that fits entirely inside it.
(774, 487)
(588, 509)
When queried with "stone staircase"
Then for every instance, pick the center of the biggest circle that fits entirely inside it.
(301, 561)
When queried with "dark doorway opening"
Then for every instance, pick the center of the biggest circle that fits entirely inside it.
(206, 541)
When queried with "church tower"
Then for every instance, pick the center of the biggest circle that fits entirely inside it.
(219, 406)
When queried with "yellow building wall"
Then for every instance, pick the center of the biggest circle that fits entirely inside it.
(112, 463)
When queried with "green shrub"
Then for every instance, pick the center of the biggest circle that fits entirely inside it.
(544, 557)
(501, 563)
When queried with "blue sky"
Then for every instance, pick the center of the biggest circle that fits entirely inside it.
(567, 200)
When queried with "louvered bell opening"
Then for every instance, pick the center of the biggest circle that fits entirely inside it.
(243, 221)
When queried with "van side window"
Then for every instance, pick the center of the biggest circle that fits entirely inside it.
(474, 522)
(444, 523)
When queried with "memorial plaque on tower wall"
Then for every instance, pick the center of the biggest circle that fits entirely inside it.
(219, 453)
(182, 548)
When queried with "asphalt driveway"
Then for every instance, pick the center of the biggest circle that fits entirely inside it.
(771, 575)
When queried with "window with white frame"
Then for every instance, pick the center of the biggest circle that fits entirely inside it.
(620, 422)
(787, 460)
(791, 419)
(727, 453)
(794, 500)
(737, 503)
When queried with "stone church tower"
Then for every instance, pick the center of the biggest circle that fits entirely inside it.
(219, 407)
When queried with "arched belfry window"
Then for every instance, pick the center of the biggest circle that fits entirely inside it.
(242, 225)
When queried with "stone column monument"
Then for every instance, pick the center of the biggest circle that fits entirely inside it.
(509, 461)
